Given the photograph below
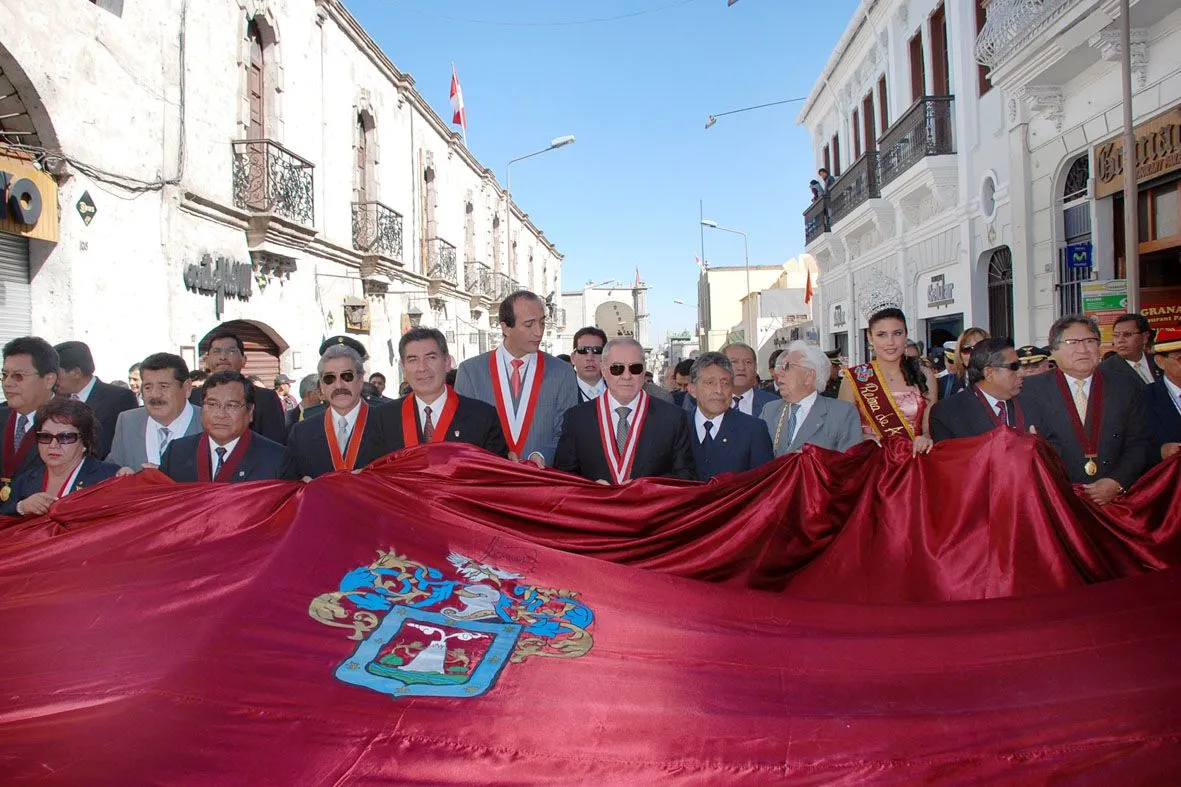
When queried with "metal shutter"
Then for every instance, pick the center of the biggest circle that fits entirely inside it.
(15, 301)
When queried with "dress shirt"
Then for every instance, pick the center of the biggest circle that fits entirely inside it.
(1142, 368)
(1071, 385)
(801, 414)
(436, 408)
(84, 394)
(230, 446)
(993, 401)
(613, 404)
(747, 402)
(350, 419)
(1174, 393)
(591, 391)
(505, 359)
(699, 420)
(176, 429)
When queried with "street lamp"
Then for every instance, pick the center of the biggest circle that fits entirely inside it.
(713, 225)
(415, 315)
(555, 143)
(714, 118)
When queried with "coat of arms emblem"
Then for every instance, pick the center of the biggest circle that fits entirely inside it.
(424, 633)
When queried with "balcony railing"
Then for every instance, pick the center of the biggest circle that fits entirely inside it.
(268, 178)
(477, 278)
(1011, 24)
(501, 286)
(925, 130)
(858, 184)
(377, 229)
(442, 262)
(816, 221)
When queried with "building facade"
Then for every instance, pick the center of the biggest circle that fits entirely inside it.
(618, 309)
(259, 162)
(721, 293)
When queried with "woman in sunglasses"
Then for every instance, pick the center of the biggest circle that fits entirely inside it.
(968, 341)
(67, 441)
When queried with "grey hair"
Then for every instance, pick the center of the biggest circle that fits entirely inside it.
(1062, 323)
(308, 384)
(621, 341)
(341, 351)
(706, 360)
(743, 345)
(814, 359)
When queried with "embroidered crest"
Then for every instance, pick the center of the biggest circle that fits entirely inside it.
(424, 633)
(862, 372)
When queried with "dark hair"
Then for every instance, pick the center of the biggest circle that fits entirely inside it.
(224, 333)
(377, 374)
(822, 169)
(986, 353)
(227, 377)
(684, 367)
(452, 376)
(133, 368)
(774, 357)
(75, 413)
(1062, 323)
(75, 355)
(563, 357)
(912, 368)
(45, 359)
(404, 388)
(197, 375)
(590, 330)
(158, 362)
(508, 313)
(368, 390)
(422, 335)
(1141, 321)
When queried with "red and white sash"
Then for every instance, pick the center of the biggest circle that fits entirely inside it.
(516, 423)
(619, 464)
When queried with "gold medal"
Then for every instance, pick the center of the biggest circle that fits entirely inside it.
(1090, 468)
(5, 493)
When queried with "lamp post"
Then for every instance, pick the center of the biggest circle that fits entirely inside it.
(557, 142)
(714, 118)
(713, 225)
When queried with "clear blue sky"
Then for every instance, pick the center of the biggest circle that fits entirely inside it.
(636, 92)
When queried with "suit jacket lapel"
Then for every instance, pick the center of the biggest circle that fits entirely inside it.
(811, 424)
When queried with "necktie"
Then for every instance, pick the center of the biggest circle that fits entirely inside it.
(708, 440)
(621, 429)
(1002, 412)
(791, 421)
(1145, 372)
(515, 380)
(1080, 399)
(22, 426)
(428, 426)
(342, 433)
(737, 401)
(165, 434)
(221, 459)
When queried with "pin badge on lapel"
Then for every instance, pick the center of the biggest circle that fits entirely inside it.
(456, 433)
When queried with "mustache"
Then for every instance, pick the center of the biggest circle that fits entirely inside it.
(157, 402)
(340, 391)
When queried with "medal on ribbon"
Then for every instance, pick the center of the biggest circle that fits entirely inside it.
(1087, 434)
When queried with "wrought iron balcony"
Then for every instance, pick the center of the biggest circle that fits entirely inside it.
(856, 185)
(377, 229)
(816, 221)
(442, 265)
(924, 130)
(268, 178)
(477, 278)
(557, 317)
(1011, 24)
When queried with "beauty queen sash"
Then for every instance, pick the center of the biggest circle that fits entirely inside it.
(877, 406)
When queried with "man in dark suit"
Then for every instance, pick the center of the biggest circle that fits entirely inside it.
(625, 434)
(226, 352)
(1163, 398)
(725, 440)
(76, 379)
(347, 435)
(433, 412)
(994, 379)
(1130, 337)
(309, 397)
(746, 396)
(30, 372)
(226, 450)
(1094, 420)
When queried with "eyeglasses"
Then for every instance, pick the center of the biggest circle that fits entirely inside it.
(225, 407)
(1125, 334)
(588, 350)
(345, 377)
(783, 366)
(1012, 367)
(17, 377)
(617, 369)
(227, 351)
(1090, 341)
(63, 438)
(967, 348)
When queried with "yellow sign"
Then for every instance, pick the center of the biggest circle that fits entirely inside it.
(28, 198)
(1158, 151)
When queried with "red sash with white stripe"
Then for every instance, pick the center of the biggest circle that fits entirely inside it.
(620, 464)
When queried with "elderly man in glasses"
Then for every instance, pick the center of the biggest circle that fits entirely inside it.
(226, 450)
(625, 433)
(344, 436)
(994, 378)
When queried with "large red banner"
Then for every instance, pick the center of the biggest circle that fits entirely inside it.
(450, 617)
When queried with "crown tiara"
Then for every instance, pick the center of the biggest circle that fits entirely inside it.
(878, 292)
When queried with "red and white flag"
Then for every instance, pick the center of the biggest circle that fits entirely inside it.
(459, 115)
(808, 289)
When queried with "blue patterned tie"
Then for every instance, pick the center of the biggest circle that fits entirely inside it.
(791, 422)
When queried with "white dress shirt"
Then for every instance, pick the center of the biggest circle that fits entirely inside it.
(591, 391)
(84, 394)
(176, 429)
(613, 404)
(505, 359)
(350, 421)
(436, 408)
(747, 403)
(213, 446)
(700, 420)
(805, 408)
(1072, 385)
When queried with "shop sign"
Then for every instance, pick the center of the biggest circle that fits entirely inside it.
(839, 317)
(940, 292)
(1078, 255)
(28, 199)
(1158, 151)
(1106, 301)
(1161, 306)
(220, 278)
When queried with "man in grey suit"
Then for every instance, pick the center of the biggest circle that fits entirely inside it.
(142, 434)
(802, 415)
(530, 390)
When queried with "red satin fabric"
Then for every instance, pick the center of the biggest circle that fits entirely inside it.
(160, 633)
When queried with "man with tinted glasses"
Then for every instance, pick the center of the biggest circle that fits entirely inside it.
(586, 358)
(30, 372)
(143, 434)
(227, 451)
(1131, 337)
(227, 353)
(994, 379)
(343, 436)
(625, 433)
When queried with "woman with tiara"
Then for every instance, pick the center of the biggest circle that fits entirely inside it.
(893, 392)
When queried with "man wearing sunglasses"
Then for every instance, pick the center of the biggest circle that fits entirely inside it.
(625, 433)
(587, 360)
(227, 450)
(994, 379)
(226, 352)
(344, 436)
(30, 373)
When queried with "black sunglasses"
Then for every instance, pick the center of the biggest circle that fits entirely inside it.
(616, 369)
(63, 438)
(1012, 367)
(967, 348)
(589, 350)
(330, 378)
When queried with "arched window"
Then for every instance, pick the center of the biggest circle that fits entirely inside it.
(1076, 236)
(1000, 292)
(256, 83)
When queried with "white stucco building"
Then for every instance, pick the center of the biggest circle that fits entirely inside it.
(617, 309)
(721, 292)
(256, 161)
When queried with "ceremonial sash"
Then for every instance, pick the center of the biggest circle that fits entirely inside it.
(13, 455)
(876, 404)
(65, 488)
(228, 466)
(410, 420)
(516, 425)
(1088, 439)
(620, 464)
(350, 460)
(1018, 413)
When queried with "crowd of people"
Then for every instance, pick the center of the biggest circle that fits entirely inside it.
(600, 415)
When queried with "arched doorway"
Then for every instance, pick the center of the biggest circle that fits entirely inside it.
(1000, 292)
(616, 318)
(263, 348)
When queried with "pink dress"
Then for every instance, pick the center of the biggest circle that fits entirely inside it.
(911, 404)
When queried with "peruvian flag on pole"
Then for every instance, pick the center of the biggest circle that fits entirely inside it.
(459, 114)
(808, 289)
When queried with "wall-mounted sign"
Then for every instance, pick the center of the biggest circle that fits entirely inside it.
(940, 291)
(86, 208)
(1105, 301)
(220, 278)
(1161, 306)
(1158, 151)
(1078, 255)
(838, 317)
(356, 314)
(28, 199)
